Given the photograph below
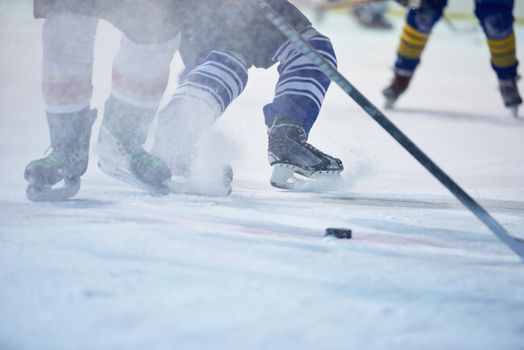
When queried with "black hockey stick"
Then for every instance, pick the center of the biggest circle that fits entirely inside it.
(514, 243)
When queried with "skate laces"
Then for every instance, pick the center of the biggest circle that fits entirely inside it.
(302, 139)
(332, 160)
(275, 127)
(54, 159)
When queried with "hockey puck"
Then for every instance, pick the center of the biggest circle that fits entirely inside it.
(342, 233)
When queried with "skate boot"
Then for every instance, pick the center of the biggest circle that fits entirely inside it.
(297, 165)
(184, 139)
(398, 85)
(510, 95)
(70, 134)
(120, 144)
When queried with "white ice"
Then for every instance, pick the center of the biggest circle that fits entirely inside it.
(116, 268)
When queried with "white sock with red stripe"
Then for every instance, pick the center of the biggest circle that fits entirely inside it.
(141, 72)
(68, 43)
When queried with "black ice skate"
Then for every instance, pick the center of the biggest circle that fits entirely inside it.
(510, 95)
(69, 134)
(297, 165)
(398, 86)
(124, 130)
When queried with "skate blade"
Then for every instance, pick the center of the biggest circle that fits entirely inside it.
(514, 110)
(124, 175)
(177, 184)
(47, 193)
(292, 178)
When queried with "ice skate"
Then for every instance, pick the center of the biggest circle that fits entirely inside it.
(120, 145)
(198, 167)
(510, 95)
(67, 162)
(297, 165)
(397, 87)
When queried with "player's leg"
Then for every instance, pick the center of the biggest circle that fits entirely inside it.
(415, 34)
(202, 96)
(213, 48)
(299, 95)
(68, 42)
(221, 75)
(140, 76)
(496, 19)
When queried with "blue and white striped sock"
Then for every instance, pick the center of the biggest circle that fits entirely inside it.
(203, 95)
(301, 86)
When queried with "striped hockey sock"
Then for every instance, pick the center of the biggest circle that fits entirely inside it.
(301, 86)
(202, 96)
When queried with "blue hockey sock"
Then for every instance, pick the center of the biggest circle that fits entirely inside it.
(301, 85)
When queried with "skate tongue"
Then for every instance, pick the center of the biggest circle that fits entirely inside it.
(47, 193)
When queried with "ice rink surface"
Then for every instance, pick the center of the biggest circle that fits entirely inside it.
(115, 268)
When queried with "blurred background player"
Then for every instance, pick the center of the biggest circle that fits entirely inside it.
(496, 19)
(140, 76)
(372, 15)
(368, 13)
(223, 40)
